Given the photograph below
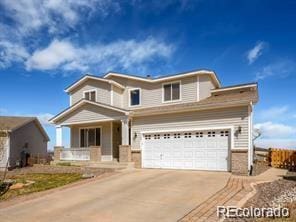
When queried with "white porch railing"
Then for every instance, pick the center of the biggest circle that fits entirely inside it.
(75, 154)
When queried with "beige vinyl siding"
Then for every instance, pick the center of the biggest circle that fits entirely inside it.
(105, 140)
(205, 86)
(236, 116)
(117, 97)
(103, 91)
(151, 93)
(88, 112)
(31, 134)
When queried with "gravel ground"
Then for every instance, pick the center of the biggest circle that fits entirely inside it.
(52, 169)
(259, 167)
(281, 192)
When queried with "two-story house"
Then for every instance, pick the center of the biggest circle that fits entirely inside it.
(182, 121)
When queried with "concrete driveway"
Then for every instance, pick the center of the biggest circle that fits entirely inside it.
(137, 195)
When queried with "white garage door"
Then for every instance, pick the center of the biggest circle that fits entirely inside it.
(200, 150)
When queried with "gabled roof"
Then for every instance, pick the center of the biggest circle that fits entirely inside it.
(89, 76)
(234, 87)
(82, 102)
(167, 77)
(12, 123)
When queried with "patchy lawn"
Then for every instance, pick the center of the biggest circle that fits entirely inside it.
(43, 181)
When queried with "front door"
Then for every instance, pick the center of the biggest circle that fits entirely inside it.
(90, 137)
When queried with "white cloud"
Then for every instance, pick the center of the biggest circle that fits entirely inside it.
(254, 53)
(29, 18)
(273, 113)
(57, 53)
(276, 143)
(54, 15)
(281, 69)
(11, 52)
(275, 130)
(62, 54)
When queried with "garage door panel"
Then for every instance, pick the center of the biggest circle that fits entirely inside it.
(203, 150)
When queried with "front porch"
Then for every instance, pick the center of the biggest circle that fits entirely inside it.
(98, 133)
(95, 142)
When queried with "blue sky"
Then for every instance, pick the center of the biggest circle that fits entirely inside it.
(46, 45)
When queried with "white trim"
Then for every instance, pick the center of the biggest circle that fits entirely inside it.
(180, 92)
(105, 158)
(59, 135)
(230, 127)
(94, 78)
(90, 121)
(211, 73)
(89, 91)
(250, 132)
(82, 102)
(91, 127)
(234, 87)
(70, 100)
(112, 96)
(111, 125)
(197, 88)
(125, 131)
(129, 97)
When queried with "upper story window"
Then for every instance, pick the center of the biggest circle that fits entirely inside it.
(90, 95)
(135, 96)
(171, 92)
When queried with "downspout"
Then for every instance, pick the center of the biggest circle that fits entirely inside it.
(251, 146)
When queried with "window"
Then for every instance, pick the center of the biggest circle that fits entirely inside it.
(134, 97)
(177, 135)
(90, 137)
(211, 134)
(224, 133)
(147, 137)
(90, 95)
(187, 135)
(171, 92)
(156, 136)
(199, 134)
(166, 136)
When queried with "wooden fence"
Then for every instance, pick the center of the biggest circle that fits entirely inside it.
(283, 158)
(39, 159)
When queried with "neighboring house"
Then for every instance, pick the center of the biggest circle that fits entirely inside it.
(20, 134)
(182, 121)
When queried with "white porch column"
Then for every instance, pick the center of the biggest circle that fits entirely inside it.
(59, 136)
(124, 131)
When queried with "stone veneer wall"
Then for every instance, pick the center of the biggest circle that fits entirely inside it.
(136, 158)
(239, 162)
(95, 153)
(124, 153)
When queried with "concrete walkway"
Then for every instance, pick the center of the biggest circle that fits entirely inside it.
(136, 195)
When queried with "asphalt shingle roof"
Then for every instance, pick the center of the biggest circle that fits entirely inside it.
(13, 122)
